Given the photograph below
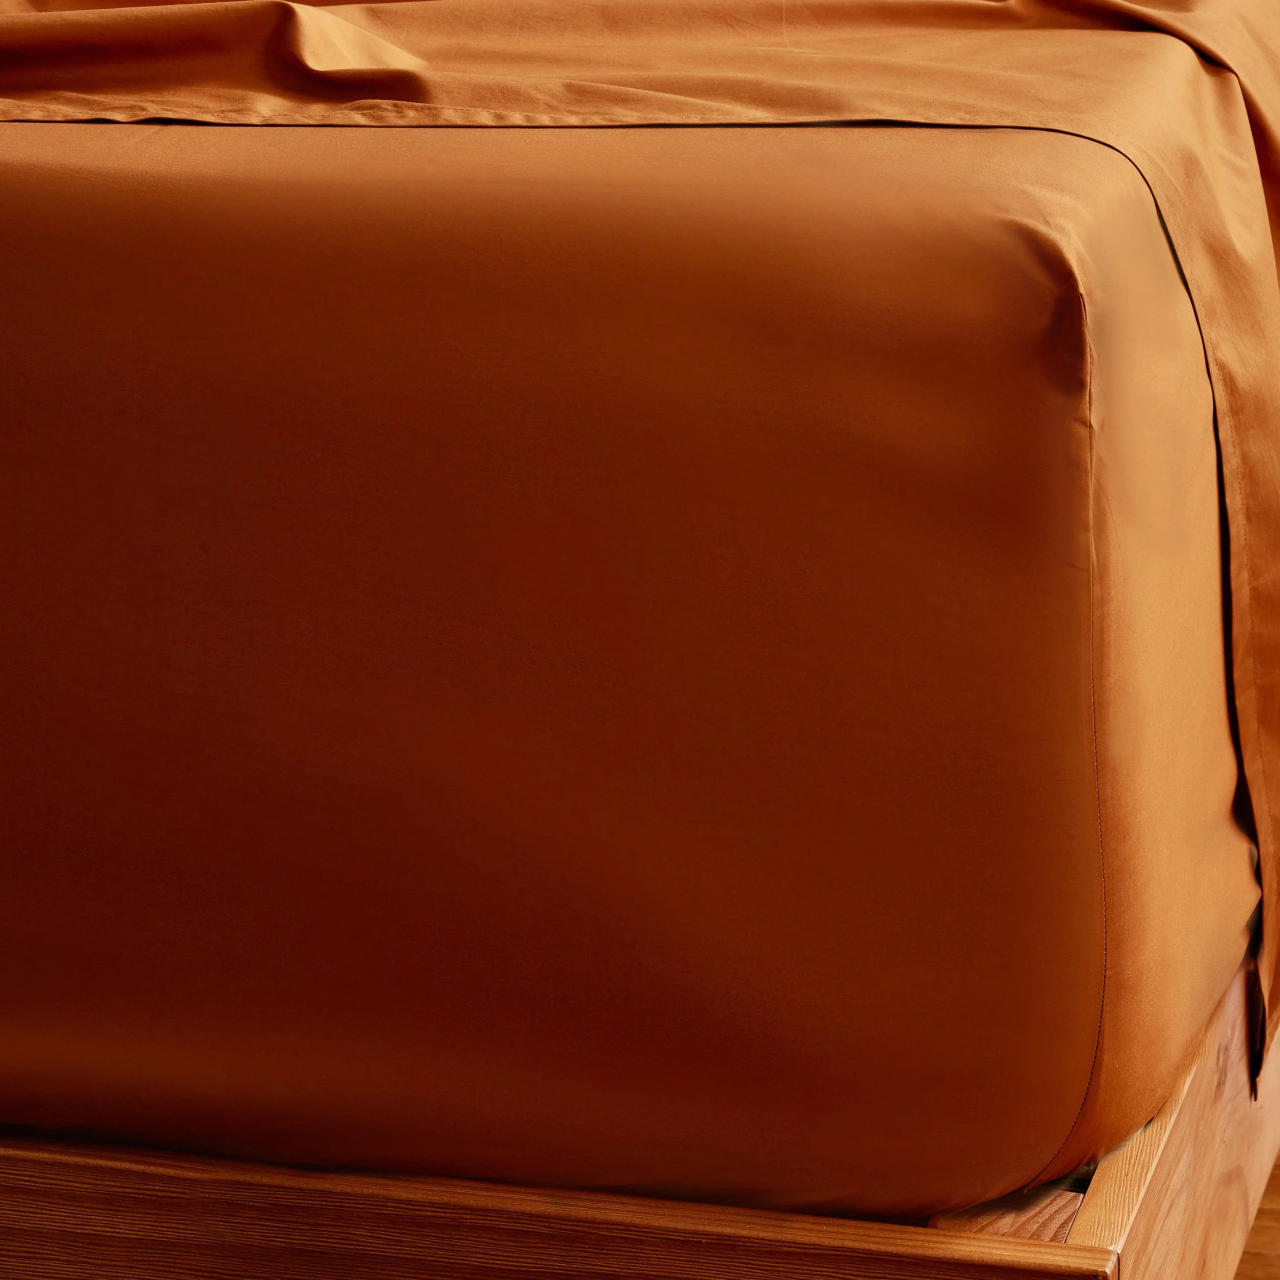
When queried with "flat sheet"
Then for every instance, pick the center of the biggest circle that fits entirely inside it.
(1188, 90)
(617, 658)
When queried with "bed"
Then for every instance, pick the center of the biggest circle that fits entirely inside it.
(703, 662)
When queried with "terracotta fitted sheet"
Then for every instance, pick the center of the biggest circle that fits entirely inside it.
(1188, 90)
(687, 660)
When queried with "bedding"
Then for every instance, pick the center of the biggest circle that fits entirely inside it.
(689, 660)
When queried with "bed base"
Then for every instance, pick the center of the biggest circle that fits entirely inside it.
(1174, 1201)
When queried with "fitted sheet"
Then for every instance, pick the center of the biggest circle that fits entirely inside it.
(689, 661)
(1188, 91)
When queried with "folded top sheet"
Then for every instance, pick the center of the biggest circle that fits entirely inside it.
(1187, 90)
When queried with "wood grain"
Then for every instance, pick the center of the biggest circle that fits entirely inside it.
(1045, 1213)
(1125, 1176)
(1261, 1260)
(71, 1214)
(1177, 1200)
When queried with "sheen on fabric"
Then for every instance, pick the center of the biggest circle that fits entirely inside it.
(687, 660)
(678, 660)
(1189, 90)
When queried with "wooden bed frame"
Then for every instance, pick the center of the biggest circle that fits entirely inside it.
(1175, 1201)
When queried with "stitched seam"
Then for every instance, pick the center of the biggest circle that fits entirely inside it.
(1093, 716)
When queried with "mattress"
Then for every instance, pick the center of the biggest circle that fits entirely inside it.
(680, 660)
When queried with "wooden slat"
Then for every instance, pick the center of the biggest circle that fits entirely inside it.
(1125, 1175)
(71, 1214)
(1177, 1199)
(1045, 1213)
